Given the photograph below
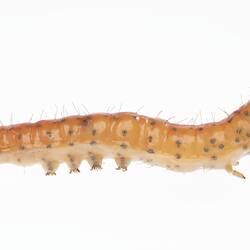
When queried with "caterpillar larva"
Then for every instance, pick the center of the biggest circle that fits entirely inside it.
(126, 137)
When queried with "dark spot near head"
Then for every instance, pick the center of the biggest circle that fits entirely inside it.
(248, 134)
(206, 149)
(150, 151)
(94, 132)
(212, 140)
(230, 120)
(49, 146)
(221, 146)
(150, 138)
(214, 157)
(39, 125)
(19, 137)
(62, 120)
(178, 143)
(22, 147)
(200, 129)
(71, 144)
(124, 132)
(92, 143)
(178, 156)
(237, 139)
(174, 129)
(123, 145)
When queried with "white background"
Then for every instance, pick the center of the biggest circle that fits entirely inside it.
(188, 59)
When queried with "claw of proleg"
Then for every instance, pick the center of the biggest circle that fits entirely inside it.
(50, 173)
(75, 170)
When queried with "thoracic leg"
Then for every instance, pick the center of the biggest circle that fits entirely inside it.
(229, 169)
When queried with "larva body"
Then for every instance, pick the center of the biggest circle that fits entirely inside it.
(126, 137)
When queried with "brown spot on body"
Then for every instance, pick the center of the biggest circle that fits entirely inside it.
(178, 143)
(92, 143)
(71, 144)
(150, 151)
(238, 130)
(70, 132)
(221, 146)
(49, 146)
(150, 138)
(174, 129)
(123, 145)
(124, 132)
(246, 113)
(237, 140)
(214, 157)
(206, 149)
(94, 132)
(200, 129)
(178, 156)
(85, 122)
(212, 140)
(48, 133)
(152, 123)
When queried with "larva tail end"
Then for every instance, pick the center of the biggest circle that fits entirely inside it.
(229, 169)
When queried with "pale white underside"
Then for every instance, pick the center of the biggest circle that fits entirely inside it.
(82, 151)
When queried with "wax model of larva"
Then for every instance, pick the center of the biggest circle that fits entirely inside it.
(126, 137)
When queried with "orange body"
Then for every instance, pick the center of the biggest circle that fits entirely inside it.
(125, 137)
